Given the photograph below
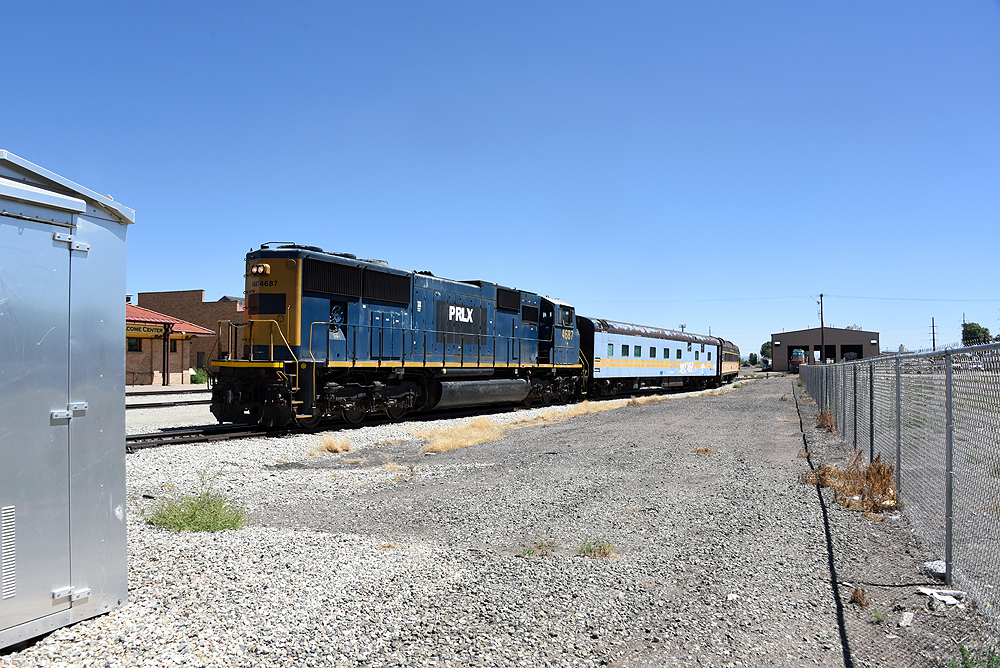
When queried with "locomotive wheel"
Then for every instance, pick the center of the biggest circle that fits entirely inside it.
(527, 400)
(353, 417)
(546, 398)
(396, 412)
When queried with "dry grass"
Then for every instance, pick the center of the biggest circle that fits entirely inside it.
(808, 400)
(703, 451)
(331, 444)
(870, 488)
(480, 430)
(784, 397)
(805, 453)
(356, 460)
(859, 597)
(390, 546)
(484, 430)
(392, 467)
(825, 421)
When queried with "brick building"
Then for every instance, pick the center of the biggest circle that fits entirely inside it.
(146, 332)
(190, 305)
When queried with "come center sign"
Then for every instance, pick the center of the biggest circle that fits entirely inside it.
(143, 331)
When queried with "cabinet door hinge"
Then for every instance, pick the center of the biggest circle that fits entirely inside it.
(71, 240)
(73, 593)
(74, 409)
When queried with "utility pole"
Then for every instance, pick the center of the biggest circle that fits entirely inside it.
(822, 332)
(682, 327)
(933, 336)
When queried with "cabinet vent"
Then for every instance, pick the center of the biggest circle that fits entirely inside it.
(8, 571)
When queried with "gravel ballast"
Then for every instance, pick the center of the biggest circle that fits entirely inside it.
(383, 556)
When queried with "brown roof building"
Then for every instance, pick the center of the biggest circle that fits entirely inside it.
(190, 305)
(841, 345)
(148, 353)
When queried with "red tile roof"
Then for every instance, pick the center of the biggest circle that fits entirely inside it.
(144, 315)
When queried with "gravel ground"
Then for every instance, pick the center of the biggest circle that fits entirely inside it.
(385, 557)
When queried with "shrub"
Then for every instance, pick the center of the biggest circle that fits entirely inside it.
(199, 377)
(205, 510)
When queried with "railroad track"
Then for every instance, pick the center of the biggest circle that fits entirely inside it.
(169, 404)
(205, 434)
(223, 432)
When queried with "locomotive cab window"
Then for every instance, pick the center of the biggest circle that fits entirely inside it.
(611, 350)
(624, 351)
(566, 317)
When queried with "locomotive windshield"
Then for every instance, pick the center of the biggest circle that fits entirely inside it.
(566, 317)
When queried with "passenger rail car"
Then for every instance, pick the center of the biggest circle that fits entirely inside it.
(328, 334)
(625, 357)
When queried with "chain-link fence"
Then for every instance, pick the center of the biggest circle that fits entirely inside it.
(936, 418)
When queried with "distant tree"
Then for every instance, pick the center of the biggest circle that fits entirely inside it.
(765, 350)
(973, 333)
(752, 359)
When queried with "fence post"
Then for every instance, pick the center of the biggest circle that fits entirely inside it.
(854, 372)
(949, 471)
(843, 401)
(871, 411)
(899, 436)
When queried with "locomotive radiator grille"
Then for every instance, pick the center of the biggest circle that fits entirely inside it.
(8, 572)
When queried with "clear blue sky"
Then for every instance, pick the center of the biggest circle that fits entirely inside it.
(714, 164)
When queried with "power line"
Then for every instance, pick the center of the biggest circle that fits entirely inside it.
(913, 299)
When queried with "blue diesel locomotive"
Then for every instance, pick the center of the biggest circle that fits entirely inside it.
(328, 334)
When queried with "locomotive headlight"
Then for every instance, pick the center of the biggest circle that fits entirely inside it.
(260, 269)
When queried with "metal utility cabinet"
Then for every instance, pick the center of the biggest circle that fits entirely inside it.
(62, 401)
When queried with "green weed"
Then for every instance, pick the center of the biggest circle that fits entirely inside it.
(969, 660)
(596, 548)
(205, 510)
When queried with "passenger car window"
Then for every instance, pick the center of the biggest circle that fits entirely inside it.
(652, 352)
(624, 351)
(709, 355)
(696, 354)
(611, 350)
(637, 351)
(703, 347)
(689, 346)
(678, 353)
